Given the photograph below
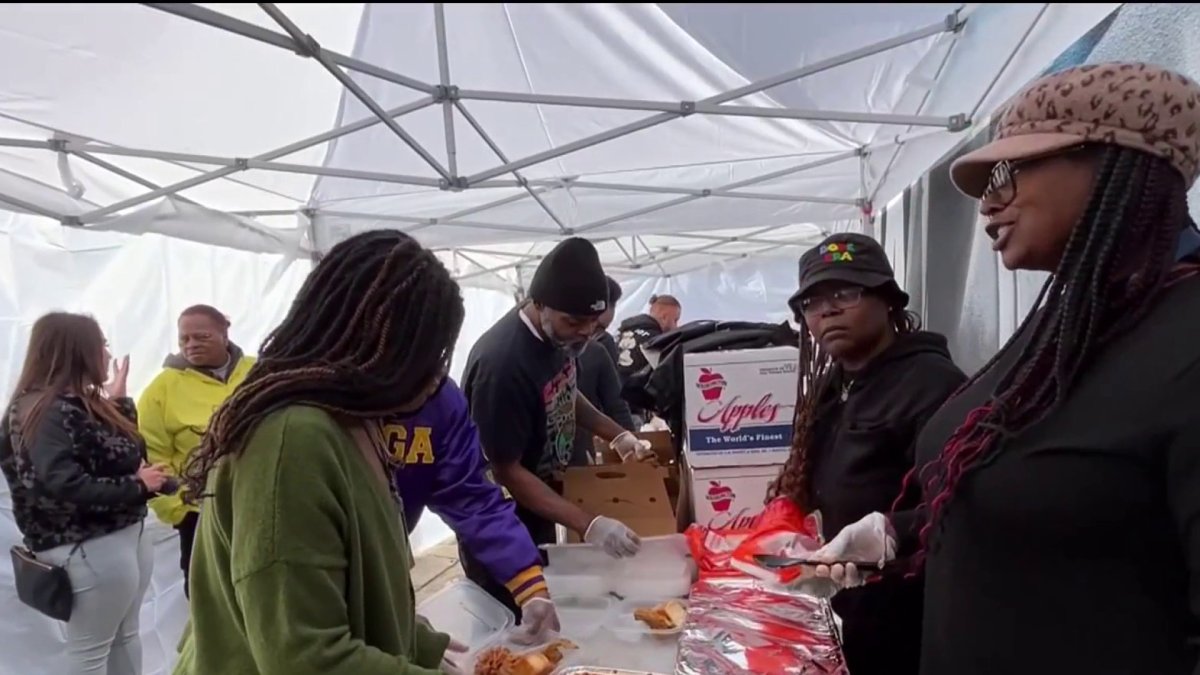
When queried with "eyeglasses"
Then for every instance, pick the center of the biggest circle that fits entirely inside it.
(1002, 185)
(841, 299)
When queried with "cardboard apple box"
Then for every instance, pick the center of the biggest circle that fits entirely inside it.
(739, 406)
(729, 497)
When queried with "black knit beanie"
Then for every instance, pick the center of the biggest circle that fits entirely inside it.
(571, 280)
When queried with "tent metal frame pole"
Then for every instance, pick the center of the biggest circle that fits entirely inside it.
(667, 190)
(216, 174)
(443, 52)
(237, 163)
(950, 24)
(679, 253)
(485, 271)
(127, 175)
(621, 247)
(31, 208)
(308, 45)
(498, 203)
(747, 240)
(478, 251)
(700, 108)
(422, 223)
(708, 193)
(246, 29)
(899, 144)
(462, 109)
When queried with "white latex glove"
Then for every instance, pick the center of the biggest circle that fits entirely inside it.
(539, 620)
(618, 540)
(630, 448)
(867, 541)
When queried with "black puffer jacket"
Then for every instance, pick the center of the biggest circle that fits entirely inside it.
(76, 478)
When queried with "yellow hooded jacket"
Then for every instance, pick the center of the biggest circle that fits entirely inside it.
(173, 413)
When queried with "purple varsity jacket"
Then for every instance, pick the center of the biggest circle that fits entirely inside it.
(440, 465)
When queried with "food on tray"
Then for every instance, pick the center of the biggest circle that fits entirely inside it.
(493, 661)
(534, 663)
(554, 651)
(502, 661)
(665, 616)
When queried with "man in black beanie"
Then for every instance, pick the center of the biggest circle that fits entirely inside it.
(520, 380)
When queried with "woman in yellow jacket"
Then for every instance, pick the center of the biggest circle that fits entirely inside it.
(174, 410)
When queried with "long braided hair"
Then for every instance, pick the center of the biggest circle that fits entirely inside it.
(815, 378)
(1115, 265)
(371, 329)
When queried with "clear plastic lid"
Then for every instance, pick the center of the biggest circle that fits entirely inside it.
(467, 613)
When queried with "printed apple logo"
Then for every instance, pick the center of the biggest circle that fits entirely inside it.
(711, 384)
(720, 496)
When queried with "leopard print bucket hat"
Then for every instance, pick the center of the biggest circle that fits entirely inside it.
(1135, 105)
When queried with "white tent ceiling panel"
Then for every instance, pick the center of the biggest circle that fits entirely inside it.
(156, 81)
(617, 99)
(774, 38)
(1002, 47)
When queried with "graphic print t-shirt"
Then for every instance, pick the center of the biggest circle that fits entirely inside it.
(522, 395)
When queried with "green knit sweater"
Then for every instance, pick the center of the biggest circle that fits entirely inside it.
(301, 563)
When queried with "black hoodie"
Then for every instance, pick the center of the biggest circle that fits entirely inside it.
(866, 427)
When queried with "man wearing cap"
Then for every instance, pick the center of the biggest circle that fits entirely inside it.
(880, 379)
(520, 380)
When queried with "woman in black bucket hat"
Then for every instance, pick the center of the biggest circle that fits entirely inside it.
(868, 381)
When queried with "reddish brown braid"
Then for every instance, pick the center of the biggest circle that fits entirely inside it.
(815, 377)
(372, 327)
(1114, 267)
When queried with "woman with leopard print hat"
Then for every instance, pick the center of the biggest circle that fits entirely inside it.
(1060, 524)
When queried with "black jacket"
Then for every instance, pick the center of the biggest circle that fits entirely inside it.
(867, 425)
(1076, 547)
(77, 477)
(598, 383)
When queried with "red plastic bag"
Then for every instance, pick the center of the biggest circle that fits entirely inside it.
(715, 550)
(783, 530)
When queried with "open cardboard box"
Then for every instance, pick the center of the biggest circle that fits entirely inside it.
(664, 448)
(635, 494)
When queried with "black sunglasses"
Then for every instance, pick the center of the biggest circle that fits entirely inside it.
(1002, 185)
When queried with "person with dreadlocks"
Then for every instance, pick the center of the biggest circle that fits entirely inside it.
(521, 382)
(1060, 526)
(869, 379)
(301, 561)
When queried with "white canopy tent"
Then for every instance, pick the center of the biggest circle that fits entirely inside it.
(475, 125)
(702, 146)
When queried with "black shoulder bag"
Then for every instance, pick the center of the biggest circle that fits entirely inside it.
(43, 586)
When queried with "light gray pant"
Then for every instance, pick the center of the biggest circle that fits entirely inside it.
(109, 577)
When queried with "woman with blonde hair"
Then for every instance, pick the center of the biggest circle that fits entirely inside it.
(73, 459)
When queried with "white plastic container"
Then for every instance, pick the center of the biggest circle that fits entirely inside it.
(661, 569)
(661, 577)
(467, 613)
(581, 617)
(586, 585)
